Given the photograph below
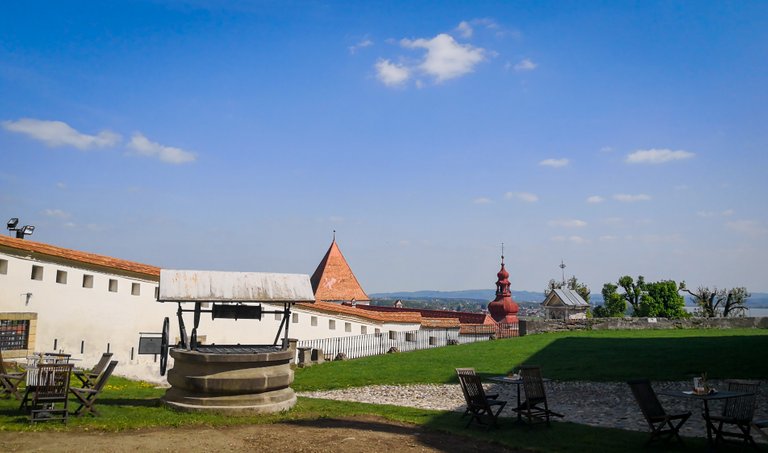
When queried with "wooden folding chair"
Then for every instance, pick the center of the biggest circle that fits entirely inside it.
(88, 377)
(9, 381)
(479, 405)
(663, 426)
(737, 412)
(470, 372)
(87, 396)
(535, 407)
(51, 390)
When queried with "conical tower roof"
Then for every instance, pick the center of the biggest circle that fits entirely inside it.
(334, 280)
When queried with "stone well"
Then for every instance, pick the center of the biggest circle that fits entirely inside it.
(227, 380)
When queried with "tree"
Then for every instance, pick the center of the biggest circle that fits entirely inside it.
(633, 291)
(661, 299)
(614, 304)
(719, 302)
(572, 283)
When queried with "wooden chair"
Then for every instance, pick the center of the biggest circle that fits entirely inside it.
(87, 396)
(663, 426)
(470, 372)
(535, 407)
(479, 405)
(738, 412)
(50, 390)
(10, 380)
(88, 377)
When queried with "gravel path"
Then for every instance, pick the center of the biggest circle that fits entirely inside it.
(605, 404)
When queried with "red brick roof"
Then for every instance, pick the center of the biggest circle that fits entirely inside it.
(442, 323)
(334, 280)
(82, 257)
(332, 308)
(463, 316)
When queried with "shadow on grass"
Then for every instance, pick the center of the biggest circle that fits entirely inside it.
(619, 359)
(135, 402)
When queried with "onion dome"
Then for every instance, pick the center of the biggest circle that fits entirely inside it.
(503, 309)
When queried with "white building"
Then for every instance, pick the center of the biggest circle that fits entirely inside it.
(84, 304)
(565, 303)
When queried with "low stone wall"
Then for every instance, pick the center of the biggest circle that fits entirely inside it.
(554, 325)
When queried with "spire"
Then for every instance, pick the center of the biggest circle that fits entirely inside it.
(333, 280)
(503, 308)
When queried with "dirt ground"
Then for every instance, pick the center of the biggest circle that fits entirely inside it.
(364, 435)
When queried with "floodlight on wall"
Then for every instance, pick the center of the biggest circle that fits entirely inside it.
(26, 230)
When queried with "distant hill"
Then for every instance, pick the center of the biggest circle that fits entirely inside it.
(758, 300)
(485, 295)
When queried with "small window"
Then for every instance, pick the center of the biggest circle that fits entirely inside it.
(112, 285)
(347, 327)
(278, 316)
(37, 272)
(87, 281)
(377, 332)
(3, 267)
(313, 321)
(157, 292)
(392, 335)
(295, 318)
(332, 324)
(61, 277)
(363, 330)
(135, 289)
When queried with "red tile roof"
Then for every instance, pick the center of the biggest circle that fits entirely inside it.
(332, 308)
(38, 248)
(441, 323)
(334, 280)
(463, 316)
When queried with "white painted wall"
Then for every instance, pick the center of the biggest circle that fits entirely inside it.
(69, 314)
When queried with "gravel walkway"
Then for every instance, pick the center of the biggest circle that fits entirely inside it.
(605, 404)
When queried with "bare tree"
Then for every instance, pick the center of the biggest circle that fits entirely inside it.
(719, 302)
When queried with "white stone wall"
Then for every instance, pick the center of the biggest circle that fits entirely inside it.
(70, 315)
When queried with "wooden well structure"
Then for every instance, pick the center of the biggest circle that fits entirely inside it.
(230, 378)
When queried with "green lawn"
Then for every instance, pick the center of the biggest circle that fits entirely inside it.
(591, 356)
(596, 356)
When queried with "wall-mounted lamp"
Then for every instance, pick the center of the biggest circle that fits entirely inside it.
(27, 296)
(26, 230)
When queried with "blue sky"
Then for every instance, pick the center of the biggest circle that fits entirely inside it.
(620, 137)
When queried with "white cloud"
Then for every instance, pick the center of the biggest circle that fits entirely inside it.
(606, 149)
(626, 198)
(749, 227)
(360, 45)
(56, 213)
(595, 199)
(59, 133)
(657, 156)
(525, 65)
(522, 196)
(607, 238)
(391, 74)
(465, 29)
(482, 200)
(725, 213)
(144, 147)
(446, 59)
(61, 185)
(555, 163)
(572, 239)
(567, 223)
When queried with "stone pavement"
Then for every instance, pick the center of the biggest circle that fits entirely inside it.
(604, 404)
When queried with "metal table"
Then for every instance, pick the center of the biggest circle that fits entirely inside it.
(517, 382)
(705, 399)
